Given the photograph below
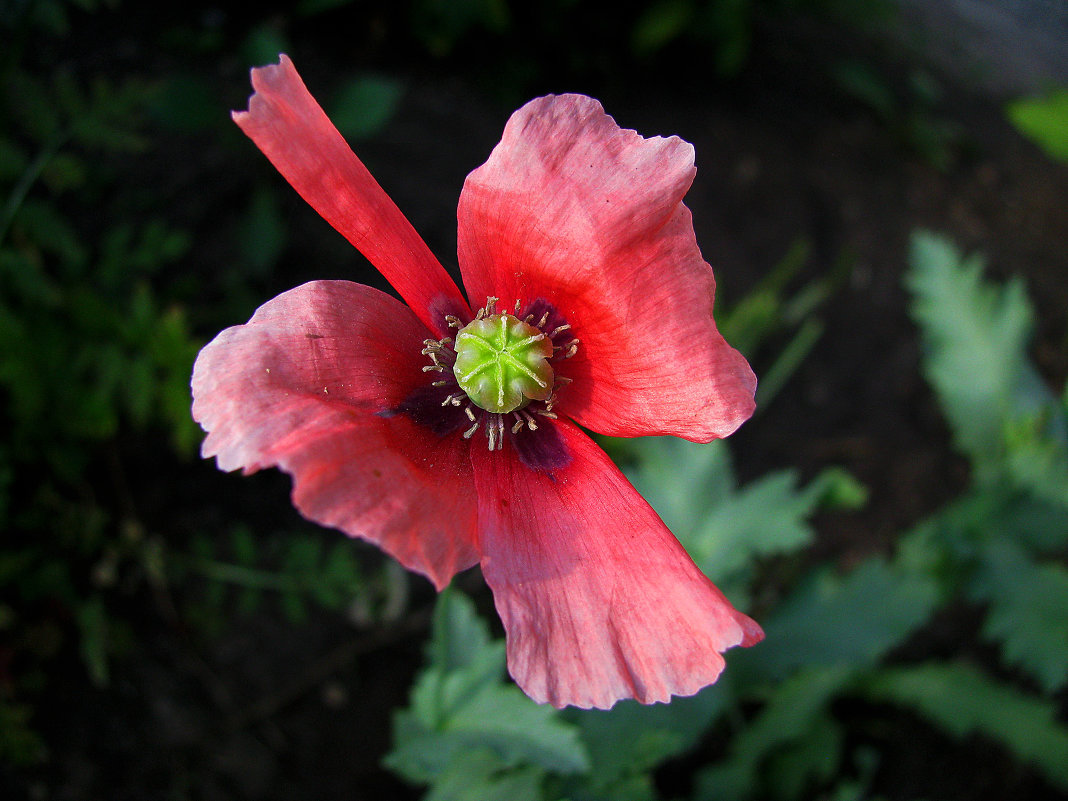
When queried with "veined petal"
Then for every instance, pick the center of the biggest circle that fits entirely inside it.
(303, 386)
(291, 129)
(573, 209)
(599, 601)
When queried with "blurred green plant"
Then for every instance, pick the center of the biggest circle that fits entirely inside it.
(770, 310)
(227, 578)
(910, 114)
(771, 728)
(1044, 120)
(90, 352)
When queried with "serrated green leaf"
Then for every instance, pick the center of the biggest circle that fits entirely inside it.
(630, 738)
(1028, 611)
(964, 701)
(1045, 121)
(482, 776)
(975, 335)
(460, 703)
(459, 635)
(794, 708)
(692, 488)
(834, 620)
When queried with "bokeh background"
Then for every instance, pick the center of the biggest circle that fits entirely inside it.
(895, 514)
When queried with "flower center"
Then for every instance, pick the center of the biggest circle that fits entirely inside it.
(498, 375)
(502, 363)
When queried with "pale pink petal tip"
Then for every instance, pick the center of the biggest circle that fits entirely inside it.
(599, 601)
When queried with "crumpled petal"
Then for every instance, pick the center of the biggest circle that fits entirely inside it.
(599, 601)
(307, 385)
(572, 208)
(291, 129)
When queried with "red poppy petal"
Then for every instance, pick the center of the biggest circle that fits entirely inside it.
(600, 602)
(291, 129)
(303, 386)
(573, 209)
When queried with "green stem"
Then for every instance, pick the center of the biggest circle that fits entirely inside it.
(243, 576)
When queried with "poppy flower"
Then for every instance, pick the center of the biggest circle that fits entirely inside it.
(449, 434)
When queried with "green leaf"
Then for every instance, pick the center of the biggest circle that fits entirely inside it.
(964, 701)
(692, 488)
(832, 620)
(364, 105)
(795, 709)
(975, 335)
(1044, 120)
(482, 776)
(1028, 610)
(631, 739)
(460, 703)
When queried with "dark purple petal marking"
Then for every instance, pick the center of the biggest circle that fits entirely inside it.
(543, 450)
(426, 406)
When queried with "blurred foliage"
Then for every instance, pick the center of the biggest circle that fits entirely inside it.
(910, 113)
(1044, 120)
(770, 312)
(224, 579)
(772, 727)
(587, 36)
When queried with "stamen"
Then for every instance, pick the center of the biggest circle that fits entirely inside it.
(436, 368)
(455, 399)
(558, 329)
(471, 431)
(495, 432)
(453, 321)
(541, 322)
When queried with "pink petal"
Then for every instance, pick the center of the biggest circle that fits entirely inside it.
(292, 130)
(573, 209)
(303, 386)
(599, 601)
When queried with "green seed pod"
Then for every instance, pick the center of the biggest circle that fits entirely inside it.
(501, 363)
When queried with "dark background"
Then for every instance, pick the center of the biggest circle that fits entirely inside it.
(128, 668)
